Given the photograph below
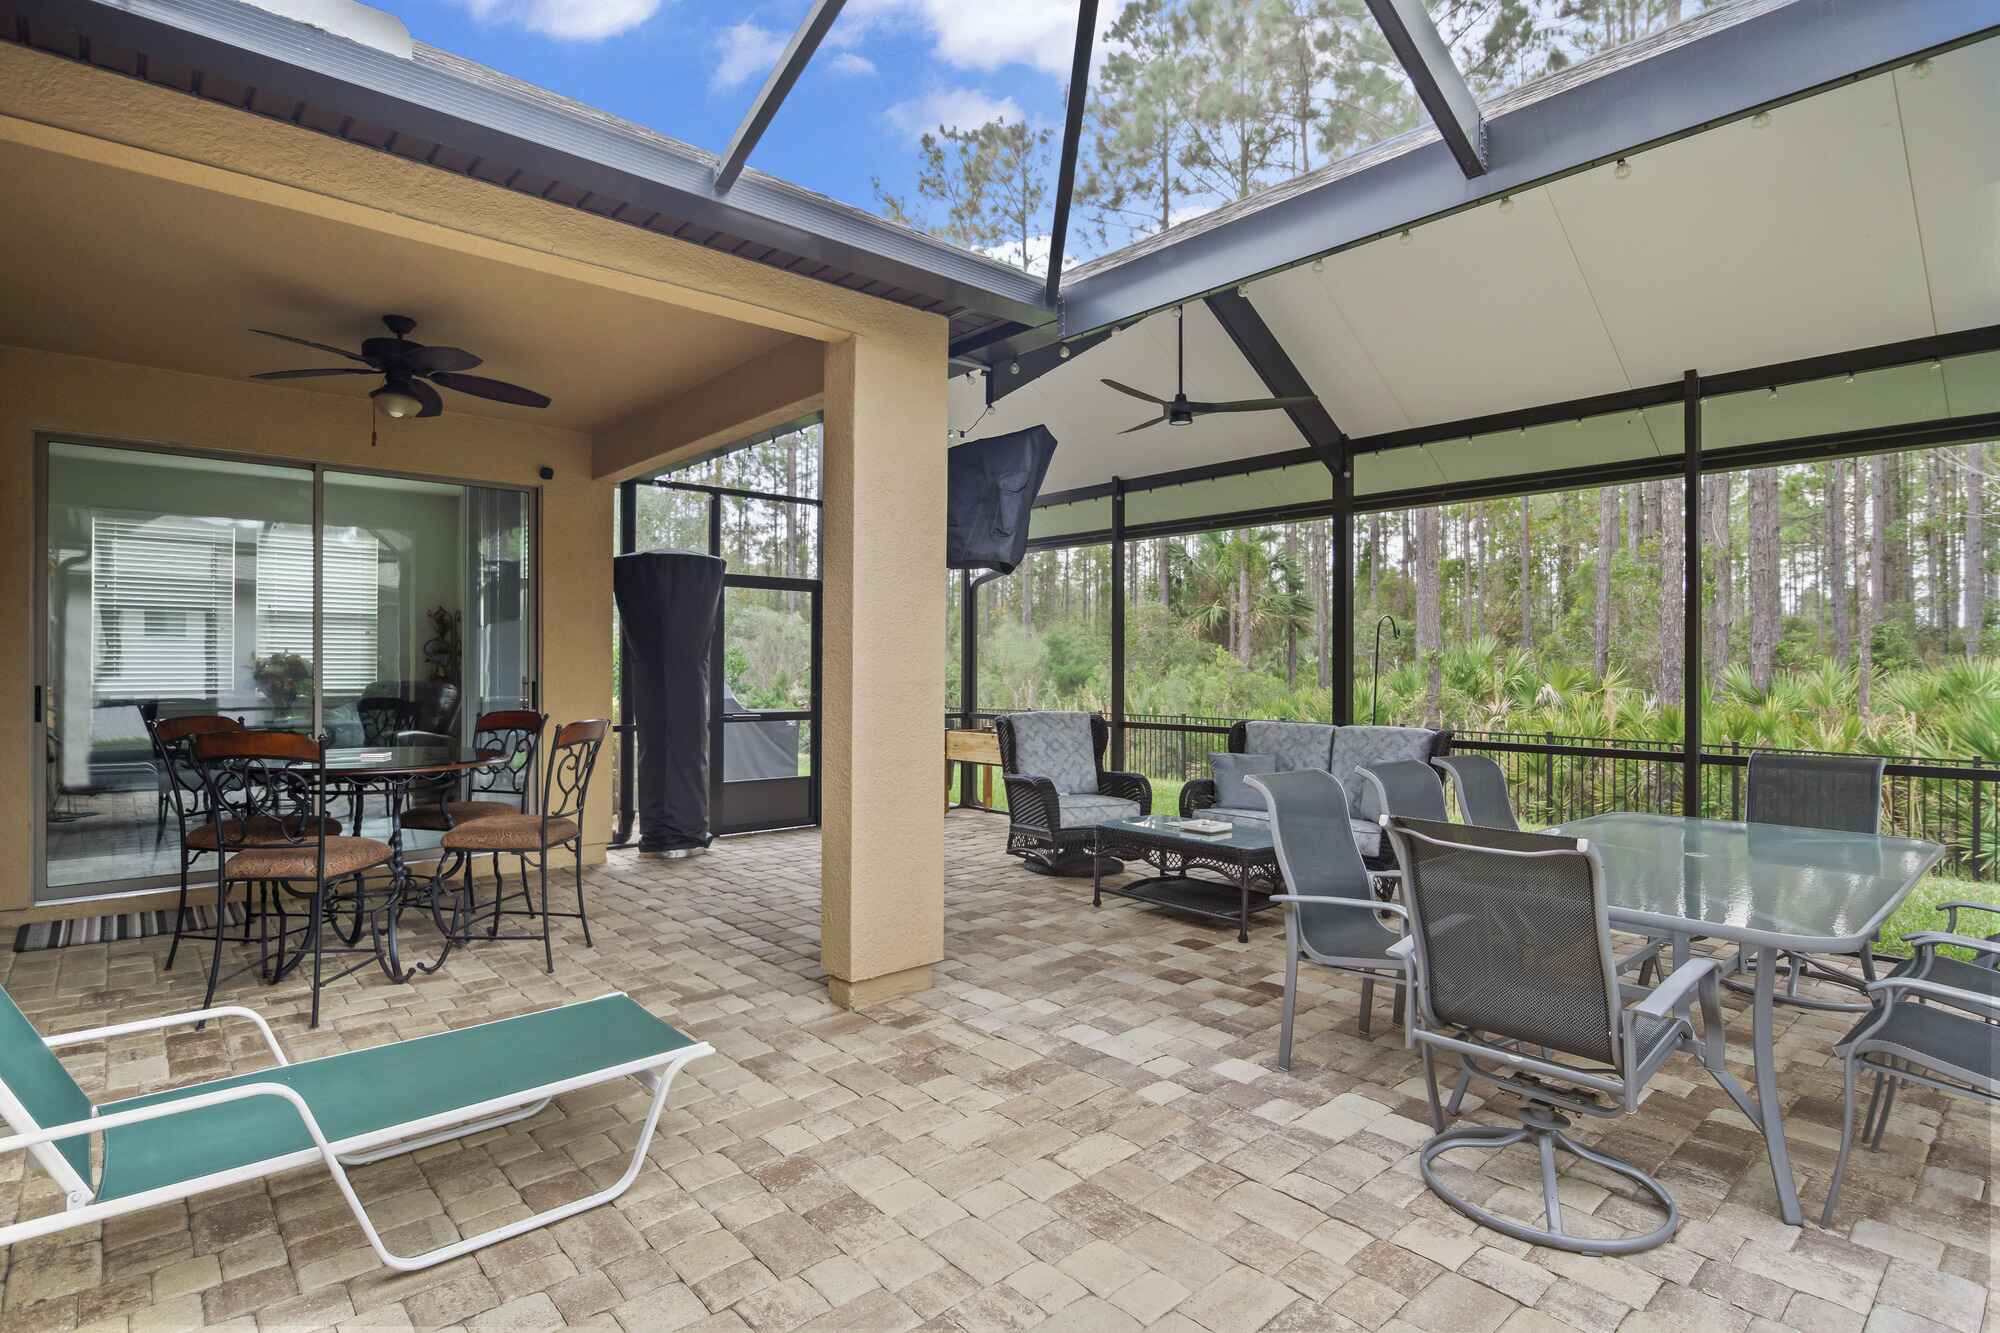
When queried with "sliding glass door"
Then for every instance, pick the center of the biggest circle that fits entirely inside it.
(361, 607)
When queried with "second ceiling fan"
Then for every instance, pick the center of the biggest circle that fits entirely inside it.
(1180, 410)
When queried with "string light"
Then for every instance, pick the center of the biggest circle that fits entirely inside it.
(1506, 203)
(1013, 367)
(1623, 170)
(1405, 236)
(1761, 120)
(1319, 265)
(1922, 69)
(1063, 351)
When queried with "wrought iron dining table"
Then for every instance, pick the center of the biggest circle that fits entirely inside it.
(1769, 888)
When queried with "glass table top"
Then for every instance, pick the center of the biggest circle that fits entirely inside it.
(1811, 889)
(1246, 835)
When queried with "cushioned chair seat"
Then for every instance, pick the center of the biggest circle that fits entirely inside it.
(1085, 811)
(453, 813)
(1367, 836)
(263, 829)
(362, 1092)
(513, 832)
(344, 856)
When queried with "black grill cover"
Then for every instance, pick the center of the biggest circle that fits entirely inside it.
(670, 605)
(993, 486)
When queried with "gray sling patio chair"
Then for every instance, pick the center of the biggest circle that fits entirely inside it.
(1408, 788)
(1331, 916)
(340, 1110)
(1481, 788)
(1841, 793)
(1903, 1040)
(1513, 974)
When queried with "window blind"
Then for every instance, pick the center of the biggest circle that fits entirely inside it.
(163, 595)
(350, 634)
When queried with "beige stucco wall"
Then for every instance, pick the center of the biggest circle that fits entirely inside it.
(79, 397)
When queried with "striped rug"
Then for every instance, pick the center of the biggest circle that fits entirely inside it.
(39, 935)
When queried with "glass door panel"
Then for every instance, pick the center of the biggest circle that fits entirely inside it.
(174, 586)
(770, 654)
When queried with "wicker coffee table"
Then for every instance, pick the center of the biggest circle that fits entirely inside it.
(1243, 857)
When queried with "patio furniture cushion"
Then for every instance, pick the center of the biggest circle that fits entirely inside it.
(453, 813)
(1085, 811)
(1360, 747)
(344, 856)
(1056, 746)
(263, 828)
(1231, 769)
(41, 1086)
(1294, 745)
(362, 1092)
(513, 832)
(1367, 834)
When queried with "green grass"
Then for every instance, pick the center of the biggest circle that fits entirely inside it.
(1921, 911)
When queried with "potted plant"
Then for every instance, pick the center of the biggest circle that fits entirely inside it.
(282, 678)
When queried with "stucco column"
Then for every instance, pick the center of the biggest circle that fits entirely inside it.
(882, 664)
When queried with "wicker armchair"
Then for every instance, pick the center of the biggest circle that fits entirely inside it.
(1058, 789)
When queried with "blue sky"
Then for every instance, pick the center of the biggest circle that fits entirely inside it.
(689, 68)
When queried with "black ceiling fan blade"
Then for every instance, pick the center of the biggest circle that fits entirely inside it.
(498, 390)
(432, 400)
(307, 342)
(1129, 391)
(428, 360)
(1141, 426)
(313, 374)
(1252, 405)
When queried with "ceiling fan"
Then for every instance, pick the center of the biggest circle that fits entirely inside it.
(408, 370)
(1179, 410)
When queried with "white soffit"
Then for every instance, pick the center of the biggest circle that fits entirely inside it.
(1951, 127)
(1749, 245)
(1298, 307)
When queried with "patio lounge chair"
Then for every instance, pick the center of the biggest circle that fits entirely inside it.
(1058, 789)
(343, 1110)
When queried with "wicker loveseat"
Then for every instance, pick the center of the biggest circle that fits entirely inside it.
(1058, 789)
(1339, 751)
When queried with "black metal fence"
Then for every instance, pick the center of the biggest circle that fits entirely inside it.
(1555, 778)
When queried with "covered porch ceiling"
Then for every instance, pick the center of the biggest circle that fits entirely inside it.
(1865, 215)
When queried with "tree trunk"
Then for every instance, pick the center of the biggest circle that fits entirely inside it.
(1527, 578)
(1871, 601)
(1291, 624)
(1973, 457)
(1321, 548)
(1243, 609)
(1430, 623)
(1673, 598)
(1722, 560)
(1607, 541)
(1764, 607)
(1836, 562)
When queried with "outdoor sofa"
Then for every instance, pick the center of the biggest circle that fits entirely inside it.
(1058, 789)
(1318, 745)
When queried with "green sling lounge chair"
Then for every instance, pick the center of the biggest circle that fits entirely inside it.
(344, 1110)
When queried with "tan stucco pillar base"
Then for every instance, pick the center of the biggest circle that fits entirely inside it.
(861, 994)
(882, 665)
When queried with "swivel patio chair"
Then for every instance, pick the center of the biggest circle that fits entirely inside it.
(1331, 915)
(341, 1110)
(1058, 790)
(1903, 1040)
(1839, 793)
(515, 735)
(1481, 788)
(572, 757)
(267, 795)
(1513, 974)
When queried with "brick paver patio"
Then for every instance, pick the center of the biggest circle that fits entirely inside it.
(1081, 1127)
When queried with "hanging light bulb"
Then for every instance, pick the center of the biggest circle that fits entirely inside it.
(1761, 120)
(1623, 171)
(1319, 265)
(1063, 351)
(1013, 367)
(1506, 203)
(1922, 69)
(1405, 236)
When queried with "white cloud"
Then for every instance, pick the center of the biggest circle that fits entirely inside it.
(1038, 33)
(745, 50)
(954, 108)
(850, 62)
(567, 20)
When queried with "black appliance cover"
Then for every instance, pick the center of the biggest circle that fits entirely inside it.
(993, 487)
(670, 605)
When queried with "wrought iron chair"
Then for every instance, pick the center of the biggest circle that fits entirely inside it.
(1058, 789)
(1331, 915)
(267, 808)
(1903, 1040)
(1481, 787)
(1840, 793)
(1513, 974)
(572, 758)
(516, 736)
(181, 781)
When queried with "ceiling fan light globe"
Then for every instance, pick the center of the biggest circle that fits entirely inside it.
(396, 403)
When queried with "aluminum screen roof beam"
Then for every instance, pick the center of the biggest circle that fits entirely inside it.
(1260, 347)
(1079, 93)
(798, 54)
(1438, 83)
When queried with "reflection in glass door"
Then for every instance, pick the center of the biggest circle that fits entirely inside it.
(770, 698)
(180, 586)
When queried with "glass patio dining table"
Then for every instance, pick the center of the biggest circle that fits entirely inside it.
(1767, 887)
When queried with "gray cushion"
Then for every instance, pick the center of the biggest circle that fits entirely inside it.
(1260, 814)
(1294, 745)
(1231, 769)
(1358, 747)
(1084, 811)
(1056, 746)
(1367, 838)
